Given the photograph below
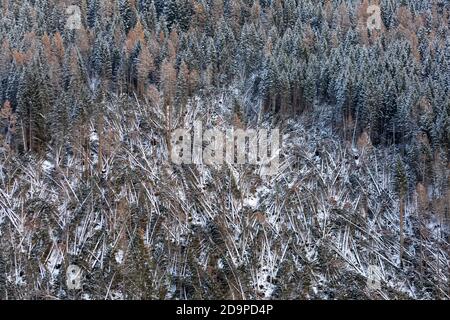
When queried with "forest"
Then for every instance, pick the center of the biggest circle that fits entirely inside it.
(91, 90)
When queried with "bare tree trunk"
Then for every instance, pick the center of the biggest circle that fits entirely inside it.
(84, 144)
(421, 232)
(30, 135)
(168, 127)
(86, 155)
(402, 217)
(100, 144)
(24, 135)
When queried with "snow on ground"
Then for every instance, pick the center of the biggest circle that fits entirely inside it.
(119, 256)
(47, 166)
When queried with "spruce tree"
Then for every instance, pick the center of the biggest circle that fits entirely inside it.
(128, 15)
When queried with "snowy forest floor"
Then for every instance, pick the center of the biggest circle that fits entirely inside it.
(141, 227)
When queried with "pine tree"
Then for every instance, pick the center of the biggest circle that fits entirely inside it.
(181, 94)
(159, 6)
(92, 14)
(250, 49)
(33, 107)
(270, 84)
(309, 83)
(178, 12)
(133, 75)
(58, 122)
(145, 67)
(149, 14)
(128, 15)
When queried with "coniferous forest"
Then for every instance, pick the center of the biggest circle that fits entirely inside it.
(91, 90)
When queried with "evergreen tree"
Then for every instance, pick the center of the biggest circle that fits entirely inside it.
(178, 12)
(181, 94)
(92, 14)
(128, 15)
(34, 105)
